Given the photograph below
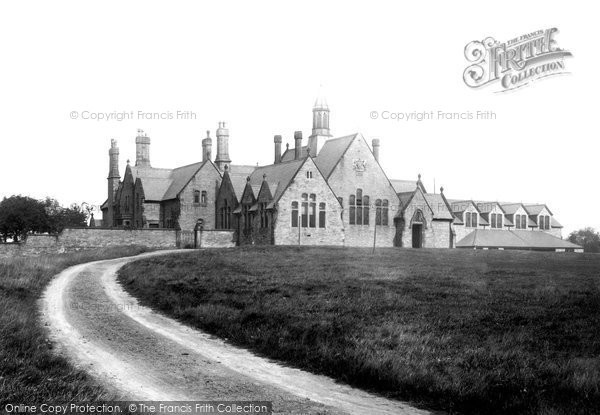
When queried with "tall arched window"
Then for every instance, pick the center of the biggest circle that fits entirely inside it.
(322, 213)
(225, 216)
(264, 218)
(312, 213)
(378, 212)
(196, 196)
(304, 210)
(385, 212)
(359, 208)
(294, 214)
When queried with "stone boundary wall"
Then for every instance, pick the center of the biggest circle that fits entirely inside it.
(78, 239)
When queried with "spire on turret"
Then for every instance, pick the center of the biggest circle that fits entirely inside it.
(320, 129)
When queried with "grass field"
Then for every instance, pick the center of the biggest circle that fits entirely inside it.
(29, 372)
(478, 332)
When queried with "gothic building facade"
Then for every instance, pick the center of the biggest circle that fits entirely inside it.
(329, 191)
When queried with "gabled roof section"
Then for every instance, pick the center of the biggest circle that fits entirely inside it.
(536, 209)
(554, 223)
(238, 175)
(332, 152)
(438, 206)
(280, 175)
(405, 197)
(487, 206)
(511, 208)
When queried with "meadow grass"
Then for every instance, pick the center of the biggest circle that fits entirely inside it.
(30, 373)
(477, 332)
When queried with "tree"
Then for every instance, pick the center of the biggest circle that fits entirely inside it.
(60, 218)
(20, 215)
(588, 238)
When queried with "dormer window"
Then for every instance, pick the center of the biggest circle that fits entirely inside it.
(471, 220)
(496, 220)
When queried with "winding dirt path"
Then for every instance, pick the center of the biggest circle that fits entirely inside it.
(147, 356)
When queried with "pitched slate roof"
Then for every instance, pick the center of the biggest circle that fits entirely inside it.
(405, 198)
(280, 175)
(460, 205)
(332, 152)
(290, 153)
(401, 186)
(536, 209)
(517, 239)
(511, 208)
(180, 177)
(238, 175)
(438, 205)
(487, 206)
(155, 181)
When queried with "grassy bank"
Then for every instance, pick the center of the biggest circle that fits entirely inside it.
(472, 332)
(29, 372)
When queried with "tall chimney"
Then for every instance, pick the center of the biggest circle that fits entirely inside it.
(375, 144)
(277, 141)
(113, 182)
(298, 145)
(222, 146)
(142, 149)
(206, 147)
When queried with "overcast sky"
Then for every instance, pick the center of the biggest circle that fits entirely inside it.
(258, 66)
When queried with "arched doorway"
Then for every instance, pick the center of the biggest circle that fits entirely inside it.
(417, 225)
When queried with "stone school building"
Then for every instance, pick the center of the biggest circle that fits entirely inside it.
(321, 191)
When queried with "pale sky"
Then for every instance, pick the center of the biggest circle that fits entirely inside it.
(258, 66)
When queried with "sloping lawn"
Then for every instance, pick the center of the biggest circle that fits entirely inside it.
(478, 332)
(29, 372)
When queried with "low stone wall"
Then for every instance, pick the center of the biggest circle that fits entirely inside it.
(216, 239)
(78, 239)
(83, 238)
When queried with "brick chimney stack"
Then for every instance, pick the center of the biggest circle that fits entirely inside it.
(298, 145)
(222, 146)
(277, 141)
(142, 149)
(207, 147)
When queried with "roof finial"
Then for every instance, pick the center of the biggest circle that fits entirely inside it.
(441, 189)
(207, 133)
(264, 176)
(226, 167)
(248, 179)
(419, 176)
(128, 162)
